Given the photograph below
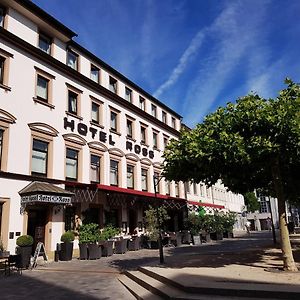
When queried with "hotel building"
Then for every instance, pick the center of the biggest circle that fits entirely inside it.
(78, 139)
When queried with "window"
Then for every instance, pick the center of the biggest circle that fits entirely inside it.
(142, 103)
(263, 205)
(2, 15)
(167, 187)
(157, 180)
(195, 188)
(129, 128)
(72, 102)
(95, 113)
(2, 61)
(176, 189)
(173, 122)
(166, 140)
(72, 59)
(95, 169)
(202, 190)
(113, 121)
(39, 158)
(71, 164)
(143, 135)
(187, 187)
(164, 117)
(95, 73)
(1, 144)
(114, 172)
(42, 87)
(154, 139)
(113, 84)
(144, 179)
(45, 43)
(128, 94)
(153, 110)
(130, 176)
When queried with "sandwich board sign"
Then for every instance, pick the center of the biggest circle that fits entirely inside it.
(39, 251)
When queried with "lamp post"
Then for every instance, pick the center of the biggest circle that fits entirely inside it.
(156, 180)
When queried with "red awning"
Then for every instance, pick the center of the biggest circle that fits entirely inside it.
(206, 204)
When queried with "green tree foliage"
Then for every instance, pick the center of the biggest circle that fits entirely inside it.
(254, 143)
(251, 202)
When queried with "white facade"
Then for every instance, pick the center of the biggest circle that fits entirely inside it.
(31, 113)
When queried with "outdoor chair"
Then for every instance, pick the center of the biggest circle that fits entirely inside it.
(13, 263)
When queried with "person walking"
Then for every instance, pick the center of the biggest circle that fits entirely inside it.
(247, 225)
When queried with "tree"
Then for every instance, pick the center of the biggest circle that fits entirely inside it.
(251, 202)
(254, 143)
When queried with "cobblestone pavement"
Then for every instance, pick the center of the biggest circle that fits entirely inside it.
(99, 279)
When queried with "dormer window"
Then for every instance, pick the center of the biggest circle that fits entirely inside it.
(45, 43)
(72, 59)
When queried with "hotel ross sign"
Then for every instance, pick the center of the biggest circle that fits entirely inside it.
(46, 199)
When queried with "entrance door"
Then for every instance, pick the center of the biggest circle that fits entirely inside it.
(37, 220)
(132, 220)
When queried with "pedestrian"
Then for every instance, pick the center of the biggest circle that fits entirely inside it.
(247, 225)
(269, 223)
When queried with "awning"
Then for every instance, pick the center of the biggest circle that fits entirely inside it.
(43, 192)
(206, 204)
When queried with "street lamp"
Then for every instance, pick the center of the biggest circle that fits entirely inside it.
(156, 180)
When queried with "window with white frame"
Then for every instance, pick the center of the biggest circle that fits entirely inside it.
(95, 73)
(71, 164)
(144, 179)
(2, 61)
(153, 110)
(130, 176)
(173, 122)
(129, 125)
(176, 189)
(128, 94)
(72, 59)
(113, 84)
(156, 175)
(95, 112)
(164, 117)
(202, 190)
(72, 102)
(195, 188)
(166, 140)
(42, 88)
(113, 121)
(1, 144)
(114, 172)
(167, 187)
(155, 144)
(187, 187)
(39, 158)
(45, 43)
(143, 135)
(142, 103)
(95, 169)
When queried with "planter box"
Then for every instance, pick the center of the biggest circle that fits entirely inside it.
(107, 248)
(187, 238)
(25, 252)
(66, 251)
(217, 236)
(120, 246)
(205, 237)
(83, 252)
(94, 251)
(196, 240)
(228, 235)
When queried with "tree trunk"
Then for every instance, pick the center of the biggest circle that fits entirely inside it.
(288, 259)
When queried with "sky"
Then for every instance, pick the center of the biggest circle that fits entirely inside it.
(192, 55)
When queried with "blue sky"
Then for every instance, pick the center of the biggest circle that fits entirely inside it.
(193, 55)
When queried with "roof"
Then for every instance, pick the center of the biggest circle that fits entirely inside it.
(46, 17)
(45, 188)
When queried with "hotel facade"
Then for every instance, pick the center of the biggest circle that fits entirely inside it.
(68, 120)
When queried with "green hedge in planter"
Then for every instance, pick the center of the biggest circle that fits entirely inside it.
(24, 240)
(67, 237)
(108, 232)
(89, 233)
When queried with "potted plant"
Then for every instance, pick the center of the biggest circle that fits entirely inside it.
(105, 235)
(154, 222)
(217, 227)
(3, 253)
(66, 251)
(88, 237)
(228, 223)
(194, 224)
(24, 243)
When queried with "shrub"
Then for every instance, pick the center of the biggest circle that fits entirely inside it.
(108, 232)
(67, 237)
(89, 233)
(24, 240)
